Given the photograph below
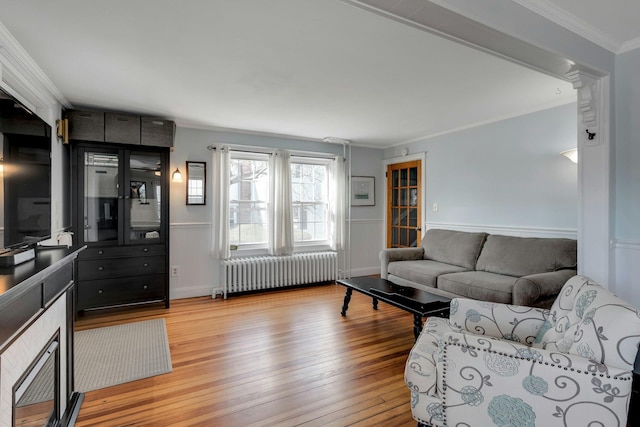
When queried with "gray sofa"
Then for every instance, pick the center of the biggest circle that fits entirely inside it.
(524, 271)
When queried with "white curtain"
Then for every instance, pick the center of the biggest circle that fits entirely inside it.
(220, 248)
(280, 212)
(337, 201)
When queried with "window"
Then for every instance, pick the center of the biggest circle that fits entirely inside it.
(249, 200)
(310, 201)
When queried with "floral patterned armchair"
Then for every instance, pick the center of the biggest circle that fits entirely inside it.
(494, 364)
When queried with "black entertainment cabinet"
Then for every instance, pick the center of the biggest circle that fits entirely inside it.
(120, 182)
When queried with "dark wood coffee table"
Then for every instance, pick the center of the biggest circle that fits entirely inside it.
(416, 301)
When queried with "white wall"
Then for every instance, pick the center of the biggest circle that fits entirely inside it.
(508, 174)
(627, 176)
(367, 234)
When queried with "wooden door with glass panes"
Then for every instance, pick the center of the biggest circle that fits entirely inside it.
(404, 213)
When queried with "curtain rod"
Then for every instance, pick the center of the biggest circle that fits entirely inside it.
(327, 156)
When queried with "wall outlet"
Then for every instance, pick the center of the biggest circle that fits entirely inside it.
(175, 270)
(436, 207)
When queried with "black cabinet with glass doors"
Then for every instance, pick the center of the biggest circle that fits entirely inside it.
(121, 210)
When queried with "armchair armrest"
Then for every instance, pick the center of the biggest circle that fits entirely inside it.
(487, 380)
(398, 254)
(505, 321)
(541, 289)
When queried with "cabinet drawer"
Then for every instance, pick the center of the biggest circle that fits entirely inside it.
(122, 128)
(157, 132)
(86, 125)
(120, 267)
(122, 251)
(130, 290)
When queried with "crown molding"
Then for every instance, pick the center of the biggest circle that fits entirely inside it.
(630, 45)
(572, 23)
(27, 74)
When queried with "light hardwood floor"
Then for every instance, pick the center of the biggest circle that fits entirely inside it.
(279, 358)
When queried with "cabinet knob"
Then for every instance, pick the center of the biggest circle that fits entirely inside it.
(145, 287)
(145, 250)
(145, 264)
(100, 252)
(99, 291)
(100, 268)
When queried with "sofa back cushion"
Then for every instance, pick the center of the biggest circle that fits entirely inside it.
(521, 256)
(600, 326)
(453, 247)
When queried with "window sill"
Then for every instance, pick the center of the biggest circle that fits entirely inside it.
(317, 247)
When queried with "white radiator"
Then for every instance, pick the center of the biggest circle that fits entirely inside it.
(267, 272)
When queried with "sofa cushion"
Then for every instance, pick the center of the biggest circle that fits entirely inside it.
(453, 247)
(423, 272)
(479, 285)
(522, 256)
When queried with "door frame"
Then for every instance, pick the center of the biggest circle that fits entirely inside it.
(422, 157)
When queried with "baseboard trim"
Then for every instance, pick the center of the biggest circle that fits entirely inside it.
(191, 292)
(365, 271)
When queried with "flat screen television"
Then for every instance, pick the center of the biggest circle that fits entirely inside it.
(25, 146)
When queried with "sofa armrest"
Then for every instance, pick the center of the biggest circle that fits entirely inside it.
(541, 289)
(398, 254)
(511, 322)
(487, 380)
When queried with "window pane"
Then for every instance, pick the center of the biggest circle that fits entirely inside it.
(249, 199)
(310, 189)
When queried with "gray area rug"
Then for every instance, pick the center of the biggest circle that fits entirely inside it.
(118, 354)
(109, 356)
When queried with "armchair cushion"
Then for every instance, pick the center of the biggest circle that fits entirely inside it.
(583, 317)
(510, 322)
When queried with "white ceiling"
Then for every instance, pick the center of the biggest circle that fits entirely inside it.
(302, 68)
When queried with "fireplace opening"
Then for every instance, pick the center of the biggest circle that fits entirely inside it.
(35, 395)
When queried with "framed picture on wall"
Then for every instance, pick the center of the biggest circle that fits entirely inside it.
(363, 191)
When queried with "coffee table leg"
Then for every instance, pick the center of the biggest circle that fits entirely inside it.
(417, 325)
(347, 298)
(375, 303)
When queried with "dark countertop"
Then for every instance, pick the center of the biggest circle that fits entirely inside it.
(11, 277)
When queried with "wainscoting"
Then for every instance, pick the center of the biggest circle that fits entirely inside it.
(367, 240)
(627, 270)
(189, 250)
(199, 274)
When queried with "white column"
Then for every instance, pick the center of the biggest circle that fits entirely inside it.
(594, 191)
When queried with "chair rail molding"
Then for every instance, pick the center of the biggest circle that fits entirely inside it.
(595, 244)
(506, 230)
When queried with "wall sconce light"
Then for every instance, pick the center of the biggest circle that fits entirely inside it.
(62, 130)
(176, 176)
(571, 154)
